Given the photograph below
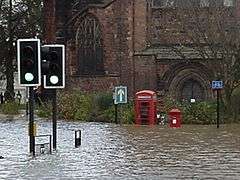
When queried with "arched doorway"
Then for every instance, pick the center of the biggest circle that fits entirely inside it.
(192, 89)
(186, 81)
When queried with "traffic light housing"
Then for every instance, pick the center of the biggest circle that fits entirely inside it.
(53, 66)
(29, 62)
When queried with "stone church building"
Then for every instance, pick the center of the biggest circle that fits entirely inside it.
(135, 43)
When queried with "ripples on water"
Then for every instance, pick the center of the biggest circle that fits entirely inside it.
(111, 151)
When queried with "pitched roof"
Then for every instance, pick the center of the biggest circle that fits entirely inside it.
(93, 3)
(176, 52)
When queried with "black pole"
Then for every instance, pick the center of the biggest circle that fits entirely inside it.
(50, 141)
(27, 101)
(31, 121)
(54, 118)
(218, 108)
(116, 113)
(27, 107)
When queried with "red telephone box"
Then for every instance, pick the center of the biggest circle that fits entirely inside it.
(175, 118)
(146, 107)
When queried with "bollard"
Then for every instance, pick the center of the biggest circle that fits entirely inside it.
(78, 138)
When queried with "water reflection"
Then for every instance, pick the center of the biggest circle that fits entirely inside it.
(111, 151)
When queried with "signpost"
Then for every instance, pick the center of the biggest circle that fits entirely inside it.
(120, 97)
(217, 85)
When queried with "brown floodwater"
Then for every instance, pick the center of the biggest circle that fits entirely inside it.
(112, 151)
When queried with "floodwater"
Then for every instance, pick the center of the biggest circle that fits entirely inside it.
(112, 151)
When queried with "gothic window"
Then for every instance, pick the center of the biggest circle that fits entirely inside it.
(89, 47)
(163, 3)
(216, 3)
(204, 3)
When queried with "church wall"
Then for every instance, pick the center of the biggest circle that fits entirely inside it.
(145, 74)
(127, 27)
(117, 28)
(140, 21)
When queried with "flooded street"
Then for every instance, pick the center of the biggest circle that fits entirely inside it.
(112, 151)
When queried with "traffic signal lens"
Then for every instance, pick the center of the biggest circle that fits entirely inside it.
(29, 77)
(54, 56)
(54, 79)
(28, 52)
(28, 63)
(54, 68)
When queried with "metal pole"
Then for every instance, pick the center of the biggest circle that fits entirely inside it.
(54, 118)
(218, 108)
(27, 101)
(27, 107)
(116, 113)
(31, 121)
(50, 141)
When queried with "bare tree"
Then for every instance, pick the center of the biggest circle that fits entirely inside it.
(18, 19)
(212, 30)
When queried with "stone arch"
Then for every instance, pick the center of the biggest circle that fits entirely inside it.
(89, 45)
(181, 76)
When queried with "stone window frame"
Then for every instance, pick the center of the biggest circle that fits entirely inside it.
(89, 46)
(204, 3)
(229, 3)
(162, 3)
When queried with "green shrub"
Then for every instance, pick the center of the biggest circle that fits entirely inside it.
(103, 101)
(193, 113)
(170, 103)
(74, 105)
(102, 110)
(199, 113)
(107, 115)
(127, 114)
(10, 108)
(97, 107)
(236, 105)
(45, 110)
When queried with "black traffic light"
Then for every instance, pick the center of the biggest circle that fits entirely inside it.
(53, 66)
(28, 57)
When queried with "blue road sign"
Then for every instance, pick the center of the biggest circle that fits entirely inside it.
(217, 84)
(120, 95)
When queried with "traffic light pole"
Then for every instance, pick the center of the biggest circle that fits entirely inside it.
(31, 121)
(54, 118)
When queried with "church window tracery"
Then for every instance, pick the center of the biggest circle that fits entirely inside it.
(89, 47)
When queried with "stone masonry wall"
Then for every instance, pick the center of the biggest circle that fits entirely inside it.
(117, 28)
(146, 78)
